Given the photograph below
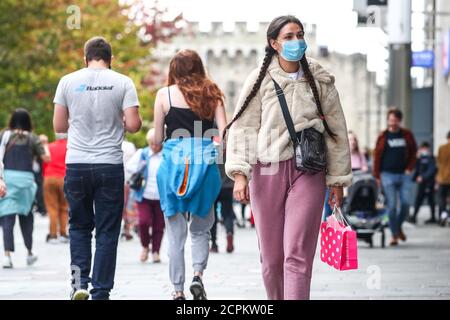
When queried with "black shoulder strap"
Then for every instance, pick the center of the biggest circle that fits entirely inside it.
(286, 114)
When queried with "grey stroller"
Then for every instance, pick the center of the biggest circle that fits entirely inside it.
(360, 208)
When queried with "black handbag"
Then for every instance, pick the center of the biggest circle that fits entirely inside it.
(136, 181)
(309, 144)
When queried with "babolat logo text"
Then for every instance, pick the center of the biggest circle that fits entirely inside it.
(84, 87)
(89, 88)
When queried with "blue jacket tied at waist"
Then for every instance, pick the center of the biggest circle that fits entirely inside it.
(21, 192)
(188, 177)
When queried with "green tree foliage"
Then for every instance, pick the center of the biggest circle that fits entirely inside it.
(40, 42)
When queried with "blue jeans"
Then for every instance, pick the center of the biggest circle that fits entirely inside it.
(95, 194)
(327, 210)
(397, 186)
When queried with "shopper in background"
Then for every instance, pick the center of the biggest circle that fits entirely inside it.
(394, 161)
(55, 201)
(22, 146)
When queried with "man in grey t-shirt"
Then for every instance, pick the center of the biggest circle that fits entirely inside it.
(95, 105)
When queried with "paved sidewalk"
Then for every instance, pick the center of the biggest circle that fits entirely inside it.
(417, 269)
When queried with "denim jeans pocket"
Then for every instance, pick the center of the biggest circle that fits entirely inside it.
(112, 188)
(74, 188)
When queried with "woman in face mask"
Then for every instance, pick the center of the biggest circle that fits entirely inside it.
(287, 203)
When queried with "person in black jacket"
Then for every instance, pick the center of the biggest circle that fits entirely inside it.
(424, 176)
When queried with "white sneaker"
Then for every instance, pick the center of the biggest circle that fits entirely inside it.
(31, 260)
(63, 239)
(53, 241)
(7, 263)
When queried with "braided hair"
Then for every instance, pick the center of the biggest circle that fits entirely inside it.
(272, 33)
(309, 76)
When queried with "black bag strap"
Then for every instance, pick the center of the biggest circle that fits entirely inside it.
(285, 110)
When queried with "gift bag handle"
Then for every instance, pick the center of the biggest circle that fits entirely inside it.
(337, 212)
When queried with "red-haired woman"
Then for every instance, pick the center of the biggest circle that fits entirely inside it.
(287, 203)
(188, 177)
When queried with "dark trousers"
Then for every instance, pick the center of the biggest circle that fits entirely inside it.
(26, 226)
(225, 198)
(96, 197)
(443, 195)
(151, 216)
(425, 191)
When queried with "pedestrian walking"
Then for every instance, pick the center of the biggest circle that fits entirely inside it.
(95, 105)
(55, 201)
(21, 146)
(394, 161)
(358, 159)
(224, 206)
(425, 177)
(443, 179)
(287, 203)
(188, 177)
(151, 218)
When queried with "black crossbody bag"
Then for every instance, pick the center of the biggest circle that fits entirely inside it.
(309, 144)
(136, 181)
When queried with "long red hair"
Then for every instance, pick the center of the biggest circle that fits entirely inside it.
(201, 94)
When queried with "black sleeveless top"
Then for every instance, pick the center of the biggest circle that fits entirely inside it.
(184, 121)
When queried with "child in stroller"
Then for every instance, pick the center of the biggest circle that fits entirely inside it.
(361, 208)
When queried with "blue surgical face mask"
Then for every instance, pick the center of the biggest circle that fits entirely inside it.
(293, 50)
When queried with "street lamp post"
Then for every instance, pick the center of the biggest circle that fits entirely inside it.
(399, 31)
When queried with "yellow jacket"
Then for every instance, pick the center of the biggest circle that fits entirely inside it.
(443, 162)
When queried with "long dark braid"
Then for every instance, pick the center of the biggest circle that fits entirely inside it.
(272, 34)
(309, 76)
(270, 52)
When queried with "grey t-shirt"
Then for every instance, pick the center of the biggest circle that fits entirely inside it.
(96, 99)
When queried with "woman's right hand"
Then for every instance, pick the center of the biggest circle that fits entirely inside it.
(2, 188)
(241, 191)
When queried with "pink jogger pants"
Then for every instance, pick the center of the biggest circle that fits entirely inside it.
(287, 206)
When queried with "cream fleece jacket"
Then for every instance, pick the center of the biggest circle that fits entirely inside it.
(260, 134)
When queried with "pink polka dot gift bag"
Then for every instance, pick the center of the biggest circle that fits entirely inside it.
(338, 242)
